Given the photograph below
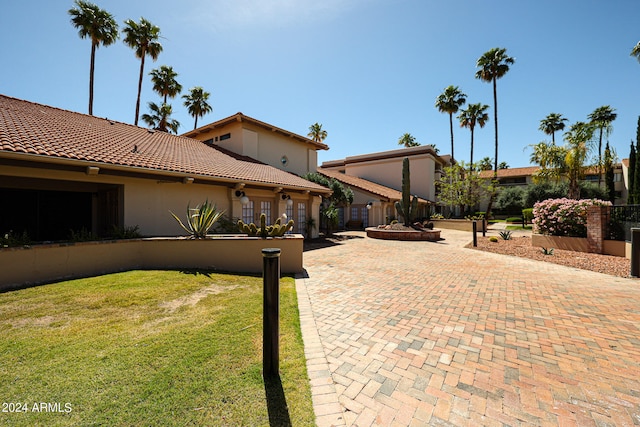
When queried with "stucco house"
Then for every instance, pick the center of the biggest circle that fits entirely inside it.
(62, 171)
(524, 176)
(376, 178)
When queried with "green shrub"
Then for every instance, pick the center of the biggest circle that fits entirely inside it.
(527, 214)
(10, 239)
(514, 219)
(82, 235)
(493, 239)
(131, 232)
(563, 217)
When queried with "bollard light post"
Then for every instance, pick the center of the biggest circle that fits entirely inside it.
(635, 252)
(271, 312)
(475, 233)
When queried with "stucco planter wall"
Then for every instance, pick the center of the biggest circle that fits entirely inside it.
(458, 224)
(579, 244)
(21, 267)
(425, 235)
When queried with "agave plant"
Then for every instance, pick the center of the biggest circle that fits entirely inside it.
(200, 219)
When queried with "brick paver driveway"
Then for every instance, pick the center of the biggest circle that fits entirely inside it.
(420, 333)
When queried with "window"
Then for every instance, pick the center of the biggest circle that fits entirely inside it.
(265, 208)
(591, 178)
(302, 217)
(365, 217)
(518, 180)
(289, 213)
(247, 212)
(617, 177)
(209, 141)
(225, 136)
(354, 213)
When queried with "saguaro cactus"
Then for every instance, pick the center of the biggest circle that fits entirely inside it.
(407, 207)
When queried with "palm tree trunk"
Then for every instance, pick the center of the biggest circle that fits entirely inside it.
(495, 121)
(495, 163)
(139, 88)
(471, 158)
(195, 125)
(600, 159)
(91, 70)
(451, 130)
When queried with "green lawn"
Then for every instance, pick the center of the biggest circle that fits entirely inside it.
(146, 348)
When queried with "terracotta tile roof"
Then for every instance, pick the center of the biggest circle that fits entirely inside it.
(510, 172)
(43, 133)
(365, 185)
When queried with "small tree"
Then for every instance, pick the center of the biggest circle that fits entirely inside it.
(340, 196)
(458, 187)
(608, 174)
(631, 199)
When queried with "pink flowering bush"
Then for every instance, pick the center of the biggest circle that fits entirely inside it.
(563, 217)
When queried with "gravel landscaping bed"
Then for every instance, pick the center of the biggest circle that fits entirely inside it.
(521, 246)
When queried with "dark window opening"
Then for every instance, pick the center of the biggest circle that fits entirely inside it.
(225, 136)
(52, 215)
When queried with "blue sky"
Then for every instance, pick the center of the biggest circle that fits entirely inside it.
(367, 70)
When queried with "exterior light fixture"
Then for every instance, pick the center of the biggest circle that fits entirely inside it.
(288, 199)
(369, 205)
(243, 197)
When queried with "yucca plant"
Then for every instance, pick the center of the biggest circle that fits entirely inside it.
(506, 234)
(200, 219)
(547, 251)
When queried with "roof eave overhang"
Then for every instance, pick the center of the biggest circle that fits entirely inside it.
(80, 166)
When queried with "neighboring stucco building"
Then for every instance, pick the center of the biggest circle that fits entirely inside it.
(61, 170)
(524, 176)
(373, 204)
(266, 143)
(385, 168)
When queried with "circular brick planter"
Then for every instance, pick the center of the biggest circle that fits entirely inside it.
(379, 233)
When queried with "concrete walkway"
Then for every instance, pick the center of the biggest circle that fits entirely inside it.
(423, 334)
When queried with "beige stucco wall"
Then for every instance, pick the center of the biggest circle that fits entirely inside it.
(147, 202)
(47, 263)
(266, 146)
(388, 172)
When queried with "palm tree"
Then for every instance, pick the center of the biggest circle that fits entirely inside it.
(160, 118)
(493, 65)
(196, 103)
(601, 118)
(316, 133)
(448, 102)
(99, 25)
(143, 37)
(165, 83)
(552, 123)
(408, 140)
(636, 51)
(485, 164)
(578, 140)
(472, 115)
